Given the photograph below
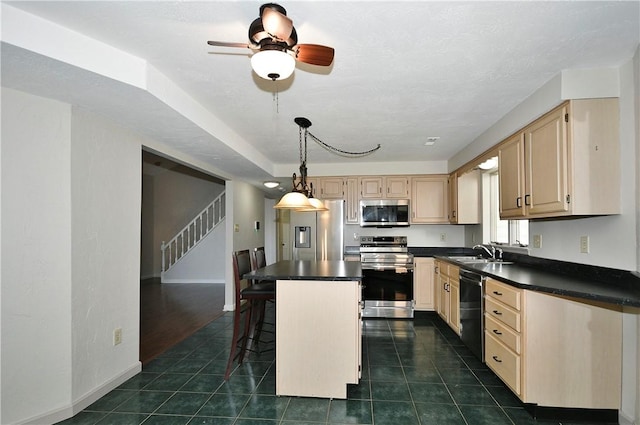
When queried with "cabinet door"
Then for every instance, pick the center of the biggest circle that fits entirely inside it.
(546, 164)
(331, 188)
(423, 283)
(371, 187)
(397, 187)
(429, 199)
(468, 188)
(352, 201)
(454, 308)
(443, 302)
(453, 198)
(511, 177)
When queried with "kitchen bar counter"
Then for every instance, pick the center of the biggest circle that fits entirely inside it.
(309, 270)
(318, 326)
(612, 286)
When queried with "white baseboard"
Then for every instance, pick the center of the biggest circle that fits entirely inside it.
(85, 401)
(623, 420)
(216, 281)
(229, 307)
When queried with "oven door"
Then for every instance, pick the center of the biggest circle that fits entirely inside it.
(387, 293)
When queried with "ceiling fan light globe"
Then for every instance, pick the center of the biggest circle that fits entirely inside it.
(273, 64)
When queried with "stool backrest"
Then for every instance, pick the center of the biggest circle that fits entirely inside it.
(241, 265)
(258, 258)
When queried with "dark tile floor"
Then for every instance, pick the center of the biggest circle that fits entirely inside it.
(414, 372)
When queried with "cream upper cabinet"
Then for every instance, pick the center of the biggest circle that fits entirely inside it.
(464, 198)
(551, 350)
(429, 199)
(423, 275)
(352, 202)
(565, 163)
(331, 188)
(387, 187)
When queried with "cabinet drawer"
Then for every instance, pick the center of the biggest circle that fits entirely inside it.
(506, 294)
(504, 362)
(502, 313)
(503, 333)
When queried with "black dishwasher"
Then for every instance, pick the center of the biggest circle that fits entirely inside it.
(472, 312)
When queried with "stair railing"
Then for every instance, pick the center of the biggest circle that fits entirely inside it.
(193, 233)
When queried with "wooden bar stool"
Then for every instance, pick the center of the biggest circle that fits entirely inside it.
(249, 297)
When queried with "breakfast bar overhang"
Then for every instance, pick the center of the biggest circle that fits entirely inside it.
(318, 326)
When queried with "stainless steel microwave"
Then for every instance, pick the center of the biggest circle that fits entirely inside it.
(384, 213)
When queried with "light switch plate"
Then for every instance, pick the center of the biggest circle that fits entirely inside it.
(537, 241)
(584, 244)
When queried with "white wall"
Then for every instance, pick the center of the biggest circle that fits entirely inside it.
(106, 197)
(245, 206)
(71, 247)
(417, 235)
(36, 247)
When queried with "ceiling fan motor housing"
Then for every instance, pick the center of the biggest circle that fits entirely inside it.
(257, 33)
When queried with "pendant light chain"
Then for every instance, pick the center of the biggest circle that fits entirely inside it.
(340, 151)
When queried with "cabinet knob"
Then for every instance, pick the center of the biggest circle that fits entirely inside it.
(497, 359)
(497, 332)
(497, 313)
(497, 293)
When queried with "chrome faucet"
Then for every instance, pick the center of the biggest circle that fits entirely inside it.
(491, 252)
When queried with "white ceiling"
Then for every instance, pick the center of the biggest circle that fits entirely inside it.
(403, 71)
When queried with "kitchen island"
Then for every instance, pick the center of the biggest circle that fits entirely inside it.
(318, 326)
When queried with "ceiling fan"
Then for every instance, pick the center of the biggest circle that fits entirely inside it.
(276, 41)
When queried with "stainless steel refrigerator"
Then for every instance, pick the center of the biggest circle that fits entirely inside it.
(318, 235)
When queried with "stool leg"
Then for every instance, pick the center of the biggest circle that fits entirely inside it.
(237, 315)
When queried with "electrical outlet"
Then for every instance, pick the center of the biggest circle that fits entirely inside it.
(537, 241)
(584, 244)
(117, 336)
(443, 237)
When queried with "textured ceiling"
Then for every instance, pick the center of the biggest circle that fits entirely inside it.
(403, 71)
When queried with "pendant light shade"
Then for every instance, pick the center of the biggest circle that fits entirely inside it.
(316, 205)
(273, 64)
(293, 201)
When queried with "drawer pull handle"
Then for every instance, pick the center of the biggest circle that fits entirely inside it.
(497, 332)
(497, 359)
(497, 293)
(497, 313)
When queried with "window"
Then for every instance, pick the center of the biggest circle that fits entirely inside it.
(505, 232)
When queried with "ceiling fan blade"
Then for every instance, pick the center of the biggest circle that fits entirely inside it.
(228, 44)
(276, 24)
(314, 54)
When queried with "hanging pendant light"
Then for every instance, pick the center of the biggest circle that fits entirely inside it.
(301, 197)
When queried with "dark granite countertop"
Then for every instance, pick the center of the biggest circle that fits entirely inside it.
(309, 270)
(603, 284)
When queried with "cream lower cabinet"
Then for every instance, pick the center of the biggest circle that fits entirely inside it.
(318, 337)
(554, 351)
(423, 288)
(447, 280)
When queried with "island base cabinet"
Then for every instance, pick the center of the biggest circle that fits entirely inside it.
(318, 337)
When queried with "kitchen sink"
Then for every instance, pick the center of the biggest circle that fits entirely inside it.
(478, 260)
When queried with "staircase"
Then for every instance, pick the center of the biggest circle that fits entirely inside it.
(194, 232)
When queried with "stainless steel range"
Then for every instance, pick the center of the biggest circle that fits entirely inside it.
(387, 267)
